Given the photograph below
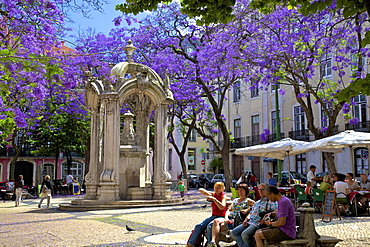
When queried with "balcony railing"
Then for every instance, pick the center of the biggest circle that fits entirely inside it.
(272, 137)
(361, 126)
(301, 135)
(238, 143)
(335, 130)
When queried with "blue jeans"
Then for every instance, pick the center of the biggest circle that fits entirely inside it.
(201, 227)
(244, 235)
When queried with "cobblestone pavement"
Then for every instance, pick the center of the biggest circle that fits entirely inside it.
(27, 225)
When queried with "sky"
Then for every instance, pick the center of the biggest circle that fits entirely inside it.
(101, 22)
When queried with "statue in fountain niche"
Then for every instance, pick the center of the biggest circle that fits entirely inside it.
(128, 135)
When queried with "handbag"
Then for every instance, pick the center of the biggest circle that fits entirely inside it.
(13, 197)
(239, 218)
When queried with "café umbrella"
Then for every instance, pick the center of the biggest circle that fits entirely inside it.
(277, 150)
(336, 143)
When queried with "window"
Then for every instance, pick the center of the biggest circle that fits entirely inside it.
(361, 161)
(193, 135)
(255, 130)
(77, 170)
(299, 118)
(255, 125)
(170, 159)
(300, 165)
(237, 92)
(48, 169)
(325, 66)
(324, 118)
(191, 159)
(359, 110)
(237, 128)
(255, 91)
(357, 63)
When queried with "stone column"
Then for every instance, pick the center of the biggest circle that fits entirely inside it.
(109, 177)
(161, 176)
(91, 178)
(307, 225)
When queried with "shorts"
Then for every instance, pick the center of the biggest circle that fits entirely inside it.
(274, 235)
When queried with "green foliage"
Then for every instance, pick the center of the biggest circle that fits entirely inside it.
(359, 86)
(61, 132)
(216, 163)
(208, 12)
(7, 126)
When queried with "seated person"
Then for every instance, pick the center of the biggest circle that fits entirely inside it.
(308, 190)
(243, 234)
(326, 184)
(352, 184)
(364, 185)
(242, 205)
(341, 189)
(285, 226)
(218, 199)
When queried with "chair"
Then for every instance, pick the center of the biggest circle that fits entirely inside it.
(301, 196)
(340, 203)
(318, 199)
(234, 193)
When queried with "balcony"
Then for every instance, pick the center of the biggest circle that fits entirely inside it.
(335, 131)
(272, 137)
(361, 126)
(252, 140)
(238, 143)
(301, 135)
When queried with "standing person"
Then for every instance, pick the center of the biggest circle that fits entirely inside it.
(311, 175)
(18, 187)
(46, 191)
(218, 199)
(240, 207)
(181, 187)
(243, 234)
(282, 229)
(69, 182)
(253, 180)
(272, 180)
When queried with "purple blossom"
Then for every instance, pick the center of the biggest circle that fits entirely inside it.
(353, 121)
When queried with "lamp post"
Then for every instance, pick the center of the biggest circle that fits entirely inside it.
(277, 129)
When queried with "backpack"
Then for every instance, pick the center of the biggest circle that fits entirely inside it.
(200, 241)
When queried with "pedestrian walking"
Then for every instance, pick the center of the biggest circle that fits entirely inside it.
(18, 187)
(181, 187)
(46, 190)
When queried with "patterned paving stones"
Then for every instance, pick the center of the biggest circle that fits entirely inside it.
(161, 226)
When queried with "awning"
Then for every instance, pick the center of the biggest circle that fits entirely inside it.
(269, 160)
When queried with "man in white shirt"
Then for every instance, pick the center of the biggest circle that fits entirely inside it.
(311, 175)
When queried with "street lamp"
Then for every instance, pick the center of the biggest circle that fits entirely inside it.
(129, 49)
(277, 129)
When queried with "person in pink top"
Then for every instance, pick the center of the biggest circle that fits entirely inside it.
(285, 226)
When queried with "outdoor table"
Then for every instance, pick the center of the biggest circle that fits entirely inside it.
(352, 197)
